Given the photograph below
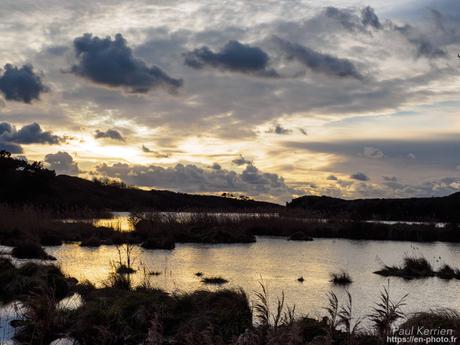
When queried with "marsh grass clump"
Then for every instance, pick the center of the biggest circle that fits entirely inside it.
(123, 269)
(42, 321)
(410, 269)
(341, 279)
(214, 280)
(418, 268)
(110, 315)
(30, 250)
(126, 259)
(386, 313)
(118, 281)
(447, 272)
(436, 319)
(300, 236)
(19, 282)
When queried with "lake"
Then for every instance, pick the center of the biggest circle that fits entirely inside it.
(122, 220)
(279, 263)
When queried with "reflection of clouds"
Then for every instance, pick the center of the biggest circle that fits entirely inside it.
(279, 263)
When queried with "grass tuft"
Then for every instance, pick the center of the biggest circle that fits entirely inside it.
(341, 279)
(214, 281)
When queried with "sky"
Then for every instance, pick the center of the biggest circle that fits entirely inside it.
(267, 99)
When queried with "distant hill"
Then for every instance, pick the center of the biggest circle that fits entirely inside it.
(30, 183)
(423, 209)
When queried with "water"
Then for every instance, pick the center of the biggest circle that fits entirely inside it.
(15, 310)
(279, 263)
(121, 220)
(9, 312)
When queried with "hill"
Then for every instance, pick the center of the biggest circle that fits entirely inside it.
(444, 209)
(29, 183)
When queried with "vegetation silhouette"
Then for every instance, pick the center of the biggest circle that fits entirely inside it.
(119, 313)
(419, 268)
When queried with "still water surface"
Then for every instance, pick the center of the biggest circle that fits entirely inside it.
(279, 263)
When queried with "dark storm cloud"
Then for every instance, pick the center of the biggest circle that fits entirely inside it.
(109, 134)
(235, 57)
(10, 147)
(21, 84)
(11, 138)
(29, 134)
(318, 62)
(369, 18)
(111, 62)
(359, 176)
(33, 134)
(62, 163)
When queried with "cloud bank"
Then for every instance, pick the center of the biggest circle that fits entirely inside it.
(191, 178)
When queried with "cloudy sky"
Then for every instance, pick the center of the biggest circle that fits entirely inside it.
(272, 99)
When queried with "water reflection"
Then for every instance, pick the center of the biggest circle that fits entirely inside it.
(279, 263)
(120, 221)
(9, 312)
